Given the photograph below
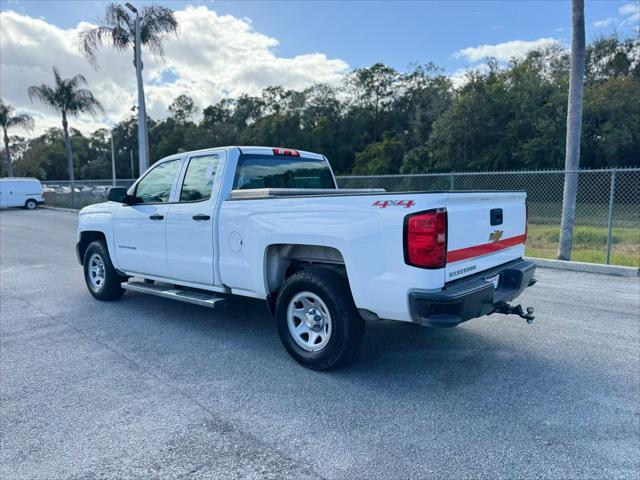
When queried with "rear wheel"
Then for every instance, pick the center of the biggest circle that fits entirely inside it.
(317, 320)
(102, 279)
(31, 204)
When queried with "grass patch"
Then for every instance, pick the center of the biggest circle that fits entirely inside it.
(589, 244)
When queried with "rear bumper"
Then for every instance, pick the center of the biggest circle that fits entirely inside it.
(471, 297)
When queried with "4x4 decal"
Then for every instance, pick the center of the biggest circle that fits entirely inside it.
(394, 203)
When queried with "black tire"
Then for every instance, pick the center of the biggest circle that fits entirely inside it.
(347, 326)
(109, 288)
(30, 204)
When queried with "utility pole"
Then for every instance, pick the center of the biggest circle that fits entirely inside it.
(113, 162)
(143, 135)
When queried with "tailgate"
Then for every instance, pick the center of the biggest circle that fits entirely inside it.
(485, 230)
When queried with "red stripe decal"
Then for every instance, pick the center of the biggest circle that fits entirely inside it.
(478, 250)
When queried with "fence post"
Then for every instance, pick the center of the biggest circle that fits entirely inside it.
(452, 181)
(113, 162)
(612, 195)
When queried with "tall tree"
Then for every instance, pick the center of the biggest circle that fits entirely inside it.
(67, 97)
(9, 119)
(373, 91)
(182, 108)
(574, 126)
(119, 29)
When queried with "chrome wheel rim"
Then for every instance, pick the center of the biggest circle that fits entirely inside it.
(309, 321)
(96, 272)
(31, 205)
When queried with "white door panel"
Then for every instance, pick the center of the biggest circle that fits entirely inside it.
(190, 242)
(140, 229)
(139, 238)
(190, 222)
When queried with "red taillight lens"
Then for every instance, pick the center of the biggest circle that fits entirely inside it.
(286, 152)
(425, 239)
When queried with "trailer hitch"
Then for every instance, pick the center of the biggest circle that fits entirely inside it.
(506, 309)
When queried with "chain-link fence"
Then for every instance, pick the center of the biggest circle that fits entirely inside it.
(57, 193)
(607, 228)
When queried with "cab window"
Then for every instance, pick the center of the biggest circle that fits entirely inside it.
(156, 185)
(198, 180)
(277, 171)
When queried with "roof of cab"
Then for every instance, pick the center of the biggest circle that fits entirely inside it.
(247, 149)
(269, 151)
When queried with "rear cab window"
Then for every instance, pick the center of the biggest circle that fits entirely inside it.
(279, 171)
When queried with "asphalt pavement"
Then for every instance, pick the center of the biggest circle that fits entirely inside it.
(149, 388)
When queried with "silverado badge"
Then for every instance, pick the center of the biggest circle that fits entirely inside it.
(496, 235)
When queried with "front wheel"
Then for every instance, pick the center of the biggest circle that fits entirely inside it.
(31, 204)
(102, 279)
(318, 322)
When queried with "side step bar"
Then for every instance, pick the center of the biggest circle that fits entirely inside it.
(204, 299)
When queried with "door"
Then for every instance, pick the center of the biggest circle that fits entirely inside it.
(190, 222)
(139, 229)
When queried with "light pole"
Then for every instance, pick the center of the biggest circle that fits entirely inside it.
(143, 136)
(133, 175)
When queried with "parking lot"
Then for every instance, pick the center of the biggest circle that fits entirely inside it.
(148, 388)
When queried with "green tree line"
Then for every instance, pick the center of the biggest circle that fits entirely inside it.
(381, 121)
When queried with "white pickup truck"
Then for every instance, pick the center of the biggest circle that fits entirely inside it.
(270, 223)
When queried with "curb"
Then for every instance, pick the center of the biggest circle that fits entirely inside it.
(60, 209)
(587, 267)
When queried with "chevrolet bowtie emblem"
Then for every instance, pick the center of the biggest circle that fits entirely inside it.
(496, 235)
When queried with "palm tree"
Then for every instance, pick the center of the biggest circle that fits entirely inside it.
(119, 29)
(68, 98)
(574, 126)
(9, 120)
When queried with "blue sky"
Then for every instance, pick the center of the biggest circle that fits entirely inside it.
(363, 32)
(226, 48)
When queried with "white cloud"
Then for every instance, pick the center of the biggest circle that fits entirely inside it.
(631, 13)
(603, 23)
(628, 16)
(461, 76)
(213, 56)
(503, 51)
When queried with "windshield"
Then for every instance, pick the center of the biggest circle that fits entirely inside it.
(277, 171)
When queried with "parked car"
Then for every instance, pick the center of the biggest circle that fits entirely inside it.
(270, 223)
(21, 192)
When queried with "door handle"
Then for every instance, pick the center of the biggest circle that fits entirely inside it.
(156, 217)
(201, 217)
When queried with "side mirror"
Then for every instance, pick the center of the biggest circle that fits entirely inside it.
(119, 194)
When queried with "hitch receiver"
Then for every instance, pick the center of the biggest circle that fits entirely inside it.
(507, 309)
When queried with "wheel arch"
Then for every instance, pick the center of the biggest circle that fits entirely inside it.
(281, 260)
(88, 236)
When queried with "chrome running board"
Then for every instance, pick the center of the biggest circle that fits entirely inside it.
(204, 299)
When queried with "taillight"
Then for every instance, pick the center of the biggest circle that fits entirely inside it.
(425, 239)
(288, 152)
